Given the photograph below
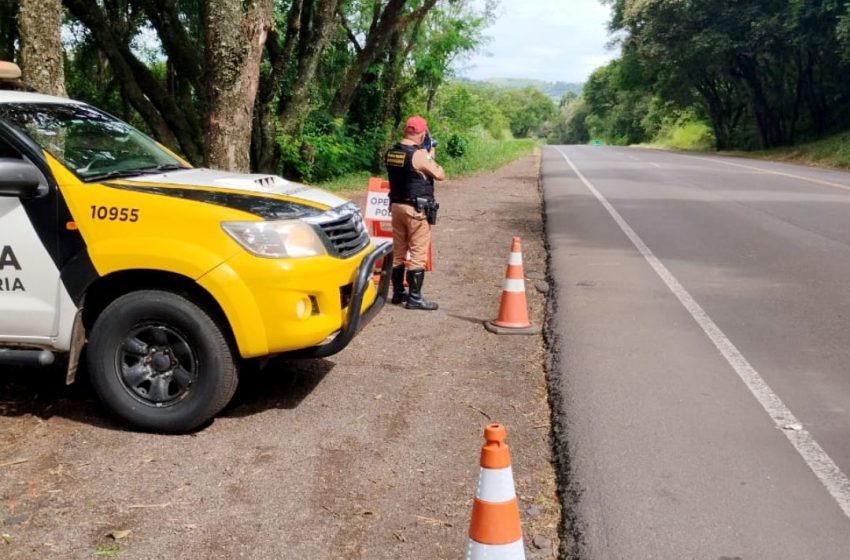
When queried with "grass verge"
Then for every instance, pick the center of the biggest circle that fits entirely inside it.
(483, 154)
(833, 151)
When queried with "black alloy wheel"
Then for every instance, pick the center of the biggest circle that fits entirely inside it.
(157, 365)
(161, 362)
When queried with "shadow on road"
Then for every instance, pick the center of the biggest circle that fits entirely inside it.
(281, 384)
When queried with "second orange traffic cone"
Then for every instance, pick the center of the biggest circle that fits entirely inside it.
(513, 310)
(495, 532)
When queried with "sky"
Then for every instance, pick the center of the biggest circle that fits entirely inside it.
(551, 40)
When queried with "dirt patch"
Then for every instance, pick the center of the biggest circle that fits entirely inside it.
(370, 454)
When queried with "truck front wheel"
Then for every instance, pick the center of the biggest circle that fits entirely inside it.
(159, 362)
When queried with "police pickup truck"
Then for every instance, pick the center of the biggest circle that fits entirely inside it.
(170, 276)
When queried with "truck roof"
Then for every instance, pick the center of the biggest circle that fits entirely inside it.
(11, 96)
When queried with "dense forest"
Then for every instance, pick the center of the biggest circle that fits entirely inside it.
(728, 74)
(306, 88)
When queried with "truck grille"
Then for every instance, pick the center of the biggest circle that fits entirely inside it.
(344, 230)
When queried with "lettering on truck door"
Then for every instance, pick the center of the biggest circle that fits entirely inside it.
(29, 279)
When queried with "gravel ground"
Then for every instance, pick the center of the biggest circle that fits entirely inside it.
(369, 454)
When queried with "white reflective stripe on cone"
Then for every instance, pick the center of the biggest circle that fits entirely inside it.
(515, 259)
(478, 551)
(513, 285)
(495, 485)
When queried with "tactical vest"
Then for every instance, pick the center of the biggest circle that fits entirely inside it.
(406, 183)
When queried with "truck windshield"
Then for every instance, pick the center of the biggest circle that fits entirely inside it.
(90, 143)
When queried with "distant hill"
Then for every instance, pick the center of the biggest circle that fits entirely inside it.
(555, 90)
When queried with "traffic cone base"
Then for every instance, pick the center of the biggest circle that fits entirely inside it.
(513, 309)
(497, 329)
(478, 551)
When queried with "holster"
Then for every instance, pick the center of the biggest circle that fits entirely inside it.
(430, 207)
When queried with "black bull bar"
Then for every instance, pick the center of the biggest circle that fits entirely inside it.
(354, 320)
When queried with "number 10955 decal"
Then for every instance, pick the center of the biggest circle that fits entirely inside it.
(114, 214)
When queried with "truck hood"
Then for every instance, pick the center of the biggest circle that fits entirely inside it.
(247, 182)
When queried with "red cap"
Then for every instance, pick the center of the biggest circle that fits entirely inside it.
(416, 125)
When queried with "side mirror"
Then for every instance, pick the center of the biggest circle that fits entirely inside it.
(19, 178)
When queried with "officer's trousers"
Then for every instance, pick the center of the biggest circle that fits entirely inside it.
(411, 233)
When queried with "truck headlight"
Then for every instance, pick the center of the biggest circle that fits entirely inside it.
(276, 239)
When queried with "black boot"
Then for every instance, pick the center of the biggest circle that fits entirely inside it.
(399, 296)
(415, 278)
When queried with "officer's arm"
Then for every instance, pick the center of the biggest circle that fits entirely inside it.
(424, 164)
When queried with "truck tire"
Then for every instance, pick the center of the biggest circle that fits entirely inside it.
(160, 362)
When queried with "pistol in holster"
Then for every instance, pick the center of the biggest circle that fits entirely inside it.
(428, 206)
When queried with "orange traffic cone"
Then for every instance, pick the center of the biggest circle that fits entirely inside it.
(513, 311)
(495, 532)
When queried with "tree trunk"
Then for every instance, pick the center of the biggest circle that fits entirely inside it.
(724, 109)
(390, 114)
(42, 65)
(297, 104)
(264, 136)
(234, 40)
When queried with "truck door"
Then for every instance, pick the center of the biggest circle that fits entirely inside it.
(29, 278)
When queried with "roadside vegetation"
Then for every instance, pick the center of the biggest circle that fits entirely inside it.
(314, 91)
(833, 151)
(763, 78)
(477, 127)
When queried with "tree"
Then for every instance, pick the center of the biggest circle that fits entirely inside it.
(171, 119)
(236, 34)
(527, 110)
(571, 127)
(264, 84)
(449, 33)
(772, 66)
(385, 25)
(42, 64)
(616, 104)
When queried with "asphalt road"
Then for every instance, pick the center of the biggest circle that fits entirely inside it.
(702, 353)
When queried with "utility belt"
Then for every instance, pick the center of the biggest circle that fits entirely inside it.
(425, 204)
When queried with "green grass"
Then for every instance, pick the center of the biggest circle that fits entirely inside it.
(108, 550)
(833, 151)
(351, 182)
(483, 154)
(692, 135)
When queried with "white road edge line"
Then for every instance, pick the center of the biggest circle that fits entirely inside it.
(772, 172)
(835, 481)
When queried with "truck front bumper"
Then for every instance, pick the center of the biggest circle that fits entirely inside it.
(354, 319)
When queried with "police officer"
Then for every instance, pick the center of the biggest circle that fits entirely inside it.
(412, 172)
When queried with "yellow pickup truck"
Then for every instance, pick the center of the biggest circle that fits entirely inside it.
(171, 276)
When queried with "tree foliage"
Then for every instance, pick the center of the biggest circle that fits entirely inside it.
(762, 73)
(308, 88)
